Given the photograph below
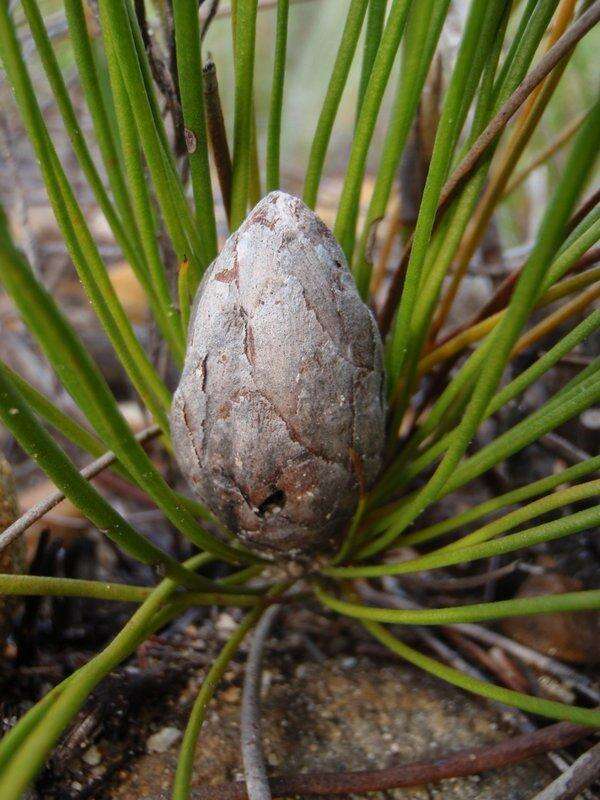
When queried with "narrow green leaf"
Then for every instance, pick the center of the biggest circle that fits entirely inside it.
(19, 420)
(447, 556)
(189, 71)
(64, 423)
(84, 252)
(463, 83)
(185, 763)
(97, 105)
(276, 104)
(81, 378)
(551, 415)
(375, 20)
(424, 26)
(31, 744)
(335, 89)
(533, 705)
(502, 501)
(40, 586)
(521, 55)
(506, 333)
(166, 314)
(369, 111)
(119, 33)
(405, 468)
(478, 612)
(437, 263)
(245, 34)
(126, 240)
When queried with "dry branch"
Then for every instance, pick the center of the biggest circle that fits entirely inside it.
(460, 764)
(37, 511)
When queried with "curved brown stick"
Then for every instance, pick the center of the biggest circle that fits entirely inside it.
(460, 764)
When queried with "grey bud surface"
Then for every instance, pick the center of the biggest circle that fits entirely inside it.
(278, 419)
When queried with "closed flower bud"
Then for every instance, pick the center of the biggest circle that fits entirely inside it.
(278, 420)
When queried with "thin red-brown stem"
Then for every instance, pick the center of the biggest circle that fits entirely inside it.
(496, 125)
(217, 134)
(502, 295)
(583, 211)
(460, 764)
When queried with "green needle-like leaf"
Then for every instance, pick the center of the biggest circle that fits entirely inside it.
(276, 105)
(369, 111)
(245, 34)
(189, 71)
(62, 472)
(478, 612)
(533, 705)
(335, 89)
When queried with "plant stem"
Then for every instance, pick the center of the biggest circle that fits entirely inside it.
(458, 764)
(369, 110)
(185, 763)
(253, 758)
(218, 135)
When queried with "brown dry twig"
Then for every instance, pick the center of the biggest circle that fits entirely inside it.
(497, 124)
(37, 511)
(503, 293)
(564, 449)
(217, 135)
(581, 774)
(164, 76)
(465, 762)
(451, 584)
(583, 210)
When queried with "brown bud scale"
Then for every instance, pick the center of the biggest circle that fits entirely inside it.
(278, 420)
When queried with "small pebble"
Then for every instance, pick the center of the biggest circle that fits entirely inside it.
(163, 740)
(232, 694)
(591, 419)
(92, 756)
(226, 625)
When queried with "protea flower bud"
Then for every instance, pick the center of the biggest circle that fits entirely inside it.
(278, 420)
